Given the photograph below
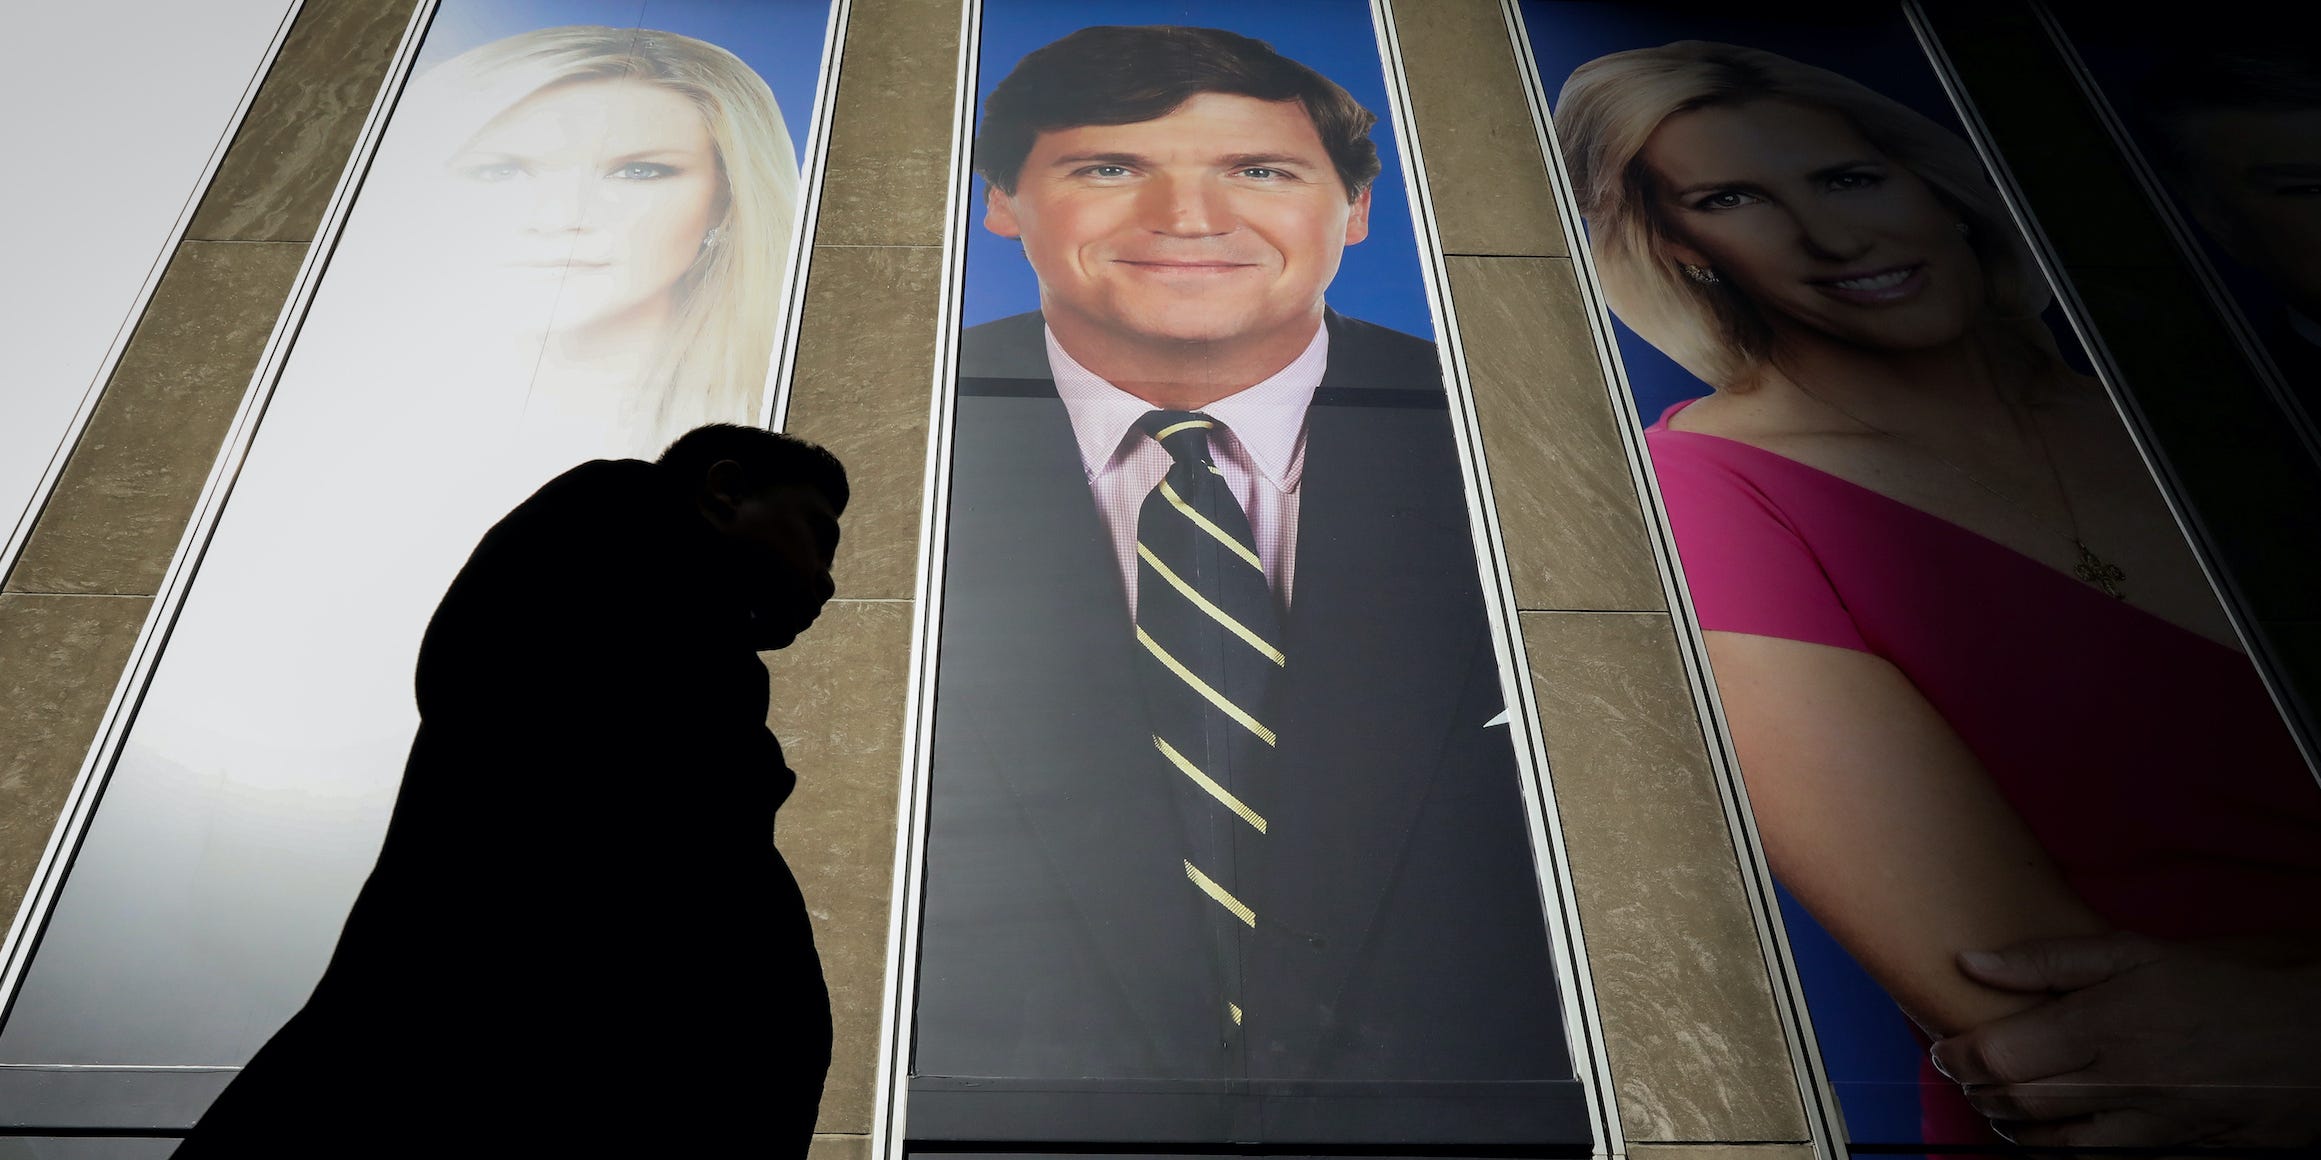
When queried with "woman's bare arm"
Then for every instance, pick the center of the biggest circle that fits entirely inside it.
(1875, 814)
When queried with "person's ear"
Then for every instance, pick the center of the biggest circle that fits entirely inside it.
(999, 213)
(723, 488)
(1685, 255)
(1358, 217)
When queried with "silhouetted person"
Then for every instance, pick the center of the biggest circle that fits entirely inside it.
(579, 939)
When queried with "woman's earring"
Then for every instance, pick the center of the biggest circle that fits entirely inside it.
(1701, 274)
(710, 239)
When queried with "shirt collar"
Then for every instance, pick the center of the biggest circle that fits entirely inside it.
(1268, 418)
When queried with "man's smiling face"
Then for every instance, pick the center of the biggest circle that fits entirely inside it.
(1221, 222)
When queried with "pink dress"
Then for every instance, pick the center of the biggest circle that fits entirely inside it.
(2147, 759)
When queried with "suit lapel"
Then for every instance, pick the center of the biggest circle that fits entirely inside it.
(1037, 657)
(1381, 636)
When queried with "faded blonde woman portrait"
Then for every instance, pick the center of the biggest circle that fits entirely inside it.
(613, 206)
(571, 245)
(1982, 694)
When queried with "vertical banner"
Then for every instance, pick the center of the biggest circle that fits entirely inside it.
(574, 241)
(2033, 812)
(2226, 114)
(1226, 839)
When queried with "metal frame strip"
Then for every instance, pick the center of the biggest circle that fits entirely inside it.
(1582, 1018)
(891, 1094)
(777, 406)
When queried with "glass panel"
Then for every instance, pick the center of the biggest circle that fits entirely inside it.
(540, 270)
(1227, 841)
(136, 160)
(1982, 695)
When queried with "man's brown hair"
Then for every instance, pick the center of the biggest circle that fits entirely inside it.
(1122, 75)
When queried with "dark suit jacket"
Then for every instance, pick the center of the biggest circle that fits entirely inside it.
(1401, 936)
(579, 938)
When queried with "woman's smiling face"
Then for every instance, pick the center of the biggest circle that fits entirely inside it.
(1823, 233)
(599, 193)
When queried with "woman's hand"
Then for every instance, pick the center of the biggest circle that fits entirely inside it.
(2144, 1043)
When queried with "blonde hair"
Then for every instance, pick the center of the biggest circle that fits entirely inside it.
(714, 362)
(1610, 108)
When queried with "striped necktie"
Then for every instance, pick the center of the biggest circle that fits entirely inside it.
(1211, 648)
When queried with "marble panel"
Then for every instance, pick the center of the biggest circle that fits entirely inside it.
(1483, 163)
(865, 374)
(122, 502)
(276, 177)
(60, 658)
(828, 1146)
(1573, 523)
(890, 137)
(1721, 1152)
(1696, 1043)
(839, 699)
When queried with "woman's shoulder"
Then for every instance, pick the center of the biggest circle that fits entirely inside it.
(1748, 524)
(1713, 441)
(1704, 452)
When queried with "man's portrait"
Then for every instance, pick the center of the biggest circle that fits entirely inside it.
(1224, 798)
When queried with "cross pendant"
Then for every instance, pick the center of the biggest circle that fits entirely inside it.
(2100, 572)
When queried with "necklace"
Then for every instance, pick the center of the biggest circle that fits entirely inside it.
(2106, 576)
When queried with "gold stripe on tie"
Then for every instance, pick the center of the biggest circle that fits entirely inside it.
(1206, 782)
(1235, 1008)
(1173, 428)
(1202, 687)
(1223, 537)
(1210, 888)
(1215, 613)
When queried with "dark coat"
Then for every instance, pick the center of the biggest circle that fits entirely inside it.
(579, 938)
(1401, 938)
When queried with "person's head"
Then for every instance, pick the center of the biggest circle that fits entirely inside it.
(774, 501)
(642, 181)
(1737, 200)
(2237, 130)
(1175, 185)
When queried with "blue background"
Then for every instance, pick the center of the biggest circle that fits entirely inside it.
(1380, 279)
(1866, 1043)
(781, 39)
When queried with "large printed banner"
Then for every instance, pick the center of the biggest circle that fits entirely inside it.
(2226, 110)
(573, 242)
(1226, 839)
(1982, 697)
